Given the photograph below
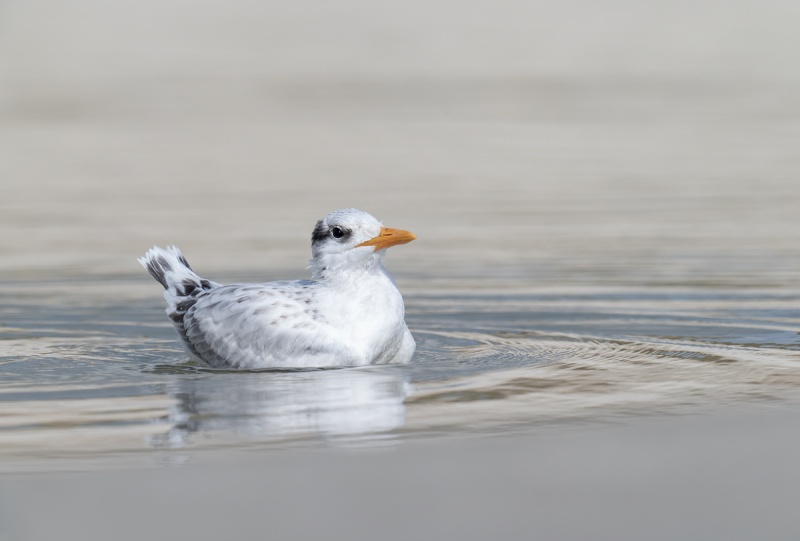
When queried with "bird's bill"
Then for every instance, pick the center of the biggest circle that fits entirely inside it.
(389, 237)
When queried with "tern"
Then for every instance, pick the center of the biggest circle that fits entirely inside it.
(350, 313)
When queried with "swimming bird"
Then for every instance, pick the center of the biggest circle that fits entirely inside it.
(349, 314)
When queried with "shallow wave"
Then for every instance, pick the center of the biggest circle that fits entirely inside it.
(92, 377)
(559, 377)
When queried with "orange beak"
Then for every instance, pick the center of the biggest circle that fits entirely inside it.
(389, 237)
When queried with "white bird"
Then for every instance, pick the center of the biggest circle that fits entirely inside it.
(350, 314)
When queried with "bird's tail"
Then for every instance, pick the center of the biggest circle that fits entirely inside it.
(172, 271)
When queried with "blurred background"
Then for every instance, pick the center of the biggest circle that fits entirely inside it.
(571, 139)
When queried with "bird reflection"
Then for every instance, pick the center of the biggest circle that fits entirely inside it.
(349, 405)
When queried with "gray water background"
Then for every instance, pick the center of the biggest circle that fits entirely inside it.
(605, 196)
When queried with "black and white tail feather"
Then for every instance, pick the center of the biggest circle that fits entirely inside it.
(182, 286)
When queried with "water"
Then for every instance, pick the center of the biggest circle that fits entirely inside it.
(585, 262)
(539, 308)
(91, 366)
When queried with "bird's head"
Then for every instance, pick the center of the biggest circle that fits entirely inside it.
(352, 238)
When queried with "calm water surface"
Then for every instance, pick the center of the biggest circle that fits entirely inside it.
(92, 366)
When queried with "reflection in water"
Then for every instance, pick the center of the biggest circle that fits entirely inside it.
(358, 404)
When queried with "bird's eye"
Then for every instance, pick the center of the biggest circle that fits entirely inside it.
(337, 232)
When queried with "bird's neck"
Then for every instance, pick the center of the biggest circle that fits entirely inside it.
(338, 268)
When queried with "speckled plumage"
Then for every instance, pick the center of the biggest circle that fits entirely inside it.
(350, 314)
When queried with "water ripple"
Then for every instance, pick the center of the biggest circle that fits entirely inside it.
(99, 378)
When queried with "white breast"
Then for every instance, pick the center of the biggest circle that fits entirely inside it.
(368, 312)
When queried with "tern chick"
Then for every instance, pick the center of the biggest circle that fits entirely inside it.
(349, 314)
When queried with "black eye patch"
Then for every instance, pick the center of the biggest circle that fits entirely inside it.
(321, 233)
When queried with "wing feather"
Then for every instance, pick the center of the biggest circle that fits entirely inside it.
(262, 326)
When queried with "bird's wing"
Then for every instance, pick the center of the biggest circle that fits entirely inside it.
(263, 326)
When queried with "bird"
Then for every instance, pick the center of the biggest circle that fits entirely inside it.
(350, 313)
